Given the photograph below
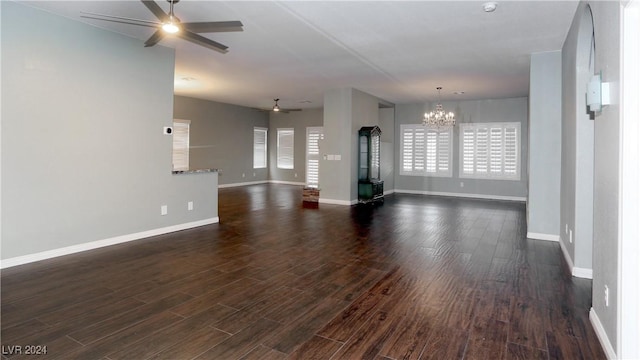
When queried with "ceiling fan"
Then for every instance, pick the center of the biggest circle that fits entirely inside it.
(170, 24)
(277, 108)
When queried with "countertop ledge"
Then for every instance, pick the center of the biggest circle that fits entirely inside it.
(195, 171)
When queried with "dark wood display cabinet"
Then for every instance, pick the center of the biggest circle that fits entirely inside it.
(370, 187)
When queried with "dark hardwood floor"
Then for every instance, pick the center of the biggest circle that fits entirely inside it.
(415, 278)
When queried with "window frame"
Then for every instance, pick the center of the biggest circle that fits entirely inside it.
(489, 127)
(448, 172)
(265, 131)
(281, 160)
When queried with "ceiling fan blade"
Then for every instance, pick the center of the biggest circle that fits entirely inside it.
(120, 21)
(213, 26)
(155, 38)
(100, 16)
(155, 9)
(203, 41)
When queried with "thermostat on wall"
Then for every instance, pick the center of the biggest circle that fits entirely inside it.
(167, 130)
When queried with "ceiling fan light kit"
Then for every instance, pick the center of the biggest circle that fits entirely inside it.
(169, 24)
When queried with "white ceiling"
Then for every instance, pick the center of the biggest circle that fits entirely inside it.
(397, 51)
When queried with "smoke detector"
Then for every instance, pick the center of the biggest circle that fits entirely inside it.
(489, 6)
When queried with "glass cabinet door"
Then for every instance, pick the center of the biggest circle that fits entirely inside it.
(375, 157)
(363, 171)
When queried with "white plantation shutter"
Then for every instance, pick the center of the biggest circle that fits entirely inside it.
(482, 151)
(285, 149)
(444, 151)
(495, 157)
(432, 152)
(407, 150)
(181, 144)
(467, 151)
(314, 135)
(490, 151)
(259, 148)
(511, 153)
(425, 151)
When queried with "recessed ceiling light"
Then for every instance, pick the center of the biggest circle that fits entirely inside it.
(305, 102)
(187, 78)
(458, 92)
(489, 6)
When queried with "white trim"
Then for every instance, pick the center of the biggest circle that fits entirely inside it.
(287, 182)
(578, 272)
(221, 186)
(602, 335)
(25, 259)
(583, 273)
(628, 312)
(337, 202)
(540, 236)
(463, 195)
(388, 192)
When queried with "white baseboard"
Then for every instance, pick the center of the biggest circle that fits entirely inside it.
(575, 271)
(49, 254)
(582, 273)
(463, 195)
(389, 192)
(221, 186)
(602, 335)
(540, 236)
(337, 202)
(287, 182)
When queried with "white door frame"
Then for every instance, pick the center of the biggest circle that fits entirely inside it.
(628, 346)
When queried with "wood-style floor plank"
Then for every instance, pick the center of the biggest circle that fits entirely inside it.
(418, 277)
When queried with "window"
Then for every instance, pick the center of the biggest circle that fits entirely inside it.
(285, 149)
(259, 148)
(181, 144)
(425, 151)
(490, 151)
(314, 135)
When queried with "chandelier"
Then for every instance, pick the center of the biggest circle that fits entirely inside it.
(439, 118)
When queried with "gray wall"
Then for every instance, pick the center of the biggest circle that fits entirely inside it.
(387, 126)
(298, 121)
(364, 112)
(335, 175)
(83, 154)
(545, 139)
(221, 137)
(606, 17)
(476, 111)
(345, 112)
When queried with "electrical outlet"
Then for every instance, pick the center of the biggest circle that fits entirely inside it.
(242, 174)
(163, 210)
(254, 174)
(606, 296)
(566, 228)
(461, 184)
(295, 175)
(190, 205)
(570, 236)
